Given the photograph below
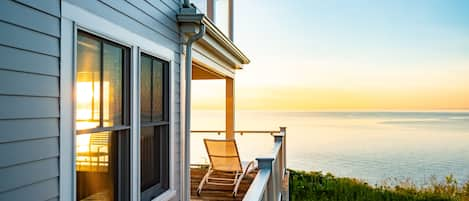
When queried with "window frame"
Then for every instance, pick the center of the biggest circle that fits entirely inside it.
(126, 83)
(211, 12)
(73, 18)
(122, 132)
(163, 125)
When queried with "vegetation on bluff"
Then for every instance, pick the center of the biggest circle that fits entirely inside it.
(317, 186)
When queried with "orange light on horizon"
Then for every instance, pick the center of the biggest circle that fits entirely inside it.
(88, 100)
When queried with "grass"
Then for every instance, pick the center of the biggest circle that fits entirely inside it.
(326, 187)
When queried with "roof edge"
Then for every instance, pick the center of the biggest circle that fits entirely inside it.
(218, 35)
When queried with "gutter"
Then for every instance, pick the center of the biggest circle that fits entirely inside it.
(186, 4)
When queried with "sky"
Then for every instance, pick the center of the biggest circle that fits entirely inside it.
(348, 55)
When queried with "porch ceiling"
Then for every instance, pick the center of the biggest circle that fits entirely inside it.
(217, 53)
(202, 73)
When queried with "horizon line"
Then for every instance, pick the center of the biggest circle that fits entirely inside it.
(343, 110)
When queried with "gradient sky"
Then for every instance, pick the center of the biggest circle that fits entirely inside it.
(348, 54)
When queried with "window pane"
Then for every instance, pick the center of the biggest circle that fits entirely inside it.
(222, 14)
(88, 82)
(112, 85)
(150, 158)
(145, 90)
(201, 5)
(157, 91)
(96, 165)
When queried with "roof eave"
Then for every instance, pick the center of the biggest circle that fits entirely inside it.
(218, 35)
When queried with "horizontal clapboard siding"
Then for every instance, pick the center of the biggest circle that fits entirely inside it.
(43, 190)
(54, 199)
(29, 99)
(167, 10)
(28, 150)
(26, 61)
(28, 129)
(20, 15)
(173, 4)
(28, 84)
(28, 39)
(24, 107)
(20, 175)
(51, 7)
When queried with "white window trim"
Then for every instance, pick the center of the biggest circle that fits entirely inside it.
(74, 18)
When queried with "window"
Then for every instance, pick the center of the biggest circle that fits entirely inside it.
(154, 116)
(201, 5)
(220, 12)
(222, 16)
(102, 119)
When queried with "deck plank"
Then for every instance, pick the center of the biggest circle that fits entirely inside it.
(213, 192)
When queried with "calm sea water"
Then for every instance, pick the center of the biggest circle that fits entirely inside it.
(371, 146)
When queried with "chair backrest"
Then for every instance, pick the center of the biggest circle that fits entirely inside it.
(223, 155)
(100, 139)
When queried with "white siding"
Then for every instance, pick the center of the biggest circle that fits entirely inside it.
(29, 93)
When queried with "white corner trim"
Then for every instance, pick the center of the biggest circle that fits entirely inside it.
(172, 130)
(67, 156)
(166, 196)
(135, 127)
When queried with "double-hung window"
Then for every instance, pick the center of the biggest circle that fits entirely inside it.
(102, 119)
(154, 118)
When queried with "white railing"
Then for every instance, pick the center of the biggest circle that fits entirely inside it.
(271, 182)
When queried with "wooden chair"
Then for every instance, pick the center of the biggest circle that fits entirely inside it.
(97, 156)
(224, 158)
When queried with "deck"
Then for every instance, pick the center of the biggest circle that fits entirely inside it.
(268, 182)
(212, 192)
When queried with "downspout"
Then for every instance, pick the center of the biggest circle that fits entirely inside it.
(187, 122)
(186, 4)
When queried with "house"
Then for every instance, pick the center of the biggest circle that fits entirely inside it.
(95, 102)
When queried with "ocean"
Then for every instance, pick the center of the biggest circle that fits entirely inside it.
(371, 146)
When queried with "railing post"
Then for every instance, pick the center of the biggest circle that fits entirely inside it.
(266, 163)
(281, 137)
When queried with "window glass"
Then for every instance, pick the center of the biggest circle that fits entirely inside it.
(201, 5)
(88, 82)
(157, 114)
(102, 149)
(145, 89)
(154, 132)
(150, 157)
(222, 15)
(95, 165)
(112, 85)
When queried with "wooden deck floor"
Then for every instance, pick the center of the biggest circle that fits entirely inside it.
(212, 192)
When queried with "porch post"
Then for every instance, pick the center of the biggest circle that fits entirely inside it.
(229, 107)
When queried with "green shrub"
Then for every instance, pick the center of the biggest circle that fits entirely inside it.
(317, 186)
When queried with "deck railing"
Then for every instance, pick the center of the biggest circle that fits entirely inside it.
(241, 132)
(271, 182)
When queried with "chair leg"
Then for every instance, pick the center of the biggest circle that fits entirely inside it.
(238, 182)
(203, 181)
(240, 178)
